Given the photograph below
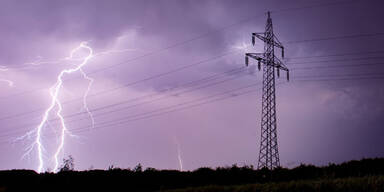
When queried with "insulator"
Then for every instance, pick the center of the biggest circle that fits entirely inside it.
(246, 61)
(253, 39)
(282, 52)
(278, 72)
(259, 65)
(287, 75)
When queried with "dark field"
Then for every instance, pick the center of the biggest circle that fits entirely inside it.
(350, 184)
(363, 175)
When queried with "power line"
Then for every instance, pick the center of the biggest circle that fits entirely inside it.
(302, 68)
(338, 66)
(184, 85)
(176, 70)
(336, 38)
(304, 57)
(194, 89)
(207, 102)
(138, 104)
(341, 79)
(314, 6)
(340, 60)
(209, 78)
(294, 80)
(336, 55)
(189, 83)
(182, 68)
(132, 83)
(198, 63)
(342, 75)
(180, 104)
(288, 42)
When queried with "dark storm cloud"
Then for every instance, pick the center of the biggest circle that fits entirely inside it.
(25, 23)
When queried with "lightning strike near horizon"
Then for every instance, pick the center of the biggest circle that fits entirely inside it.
(55, 102)
(180, 160)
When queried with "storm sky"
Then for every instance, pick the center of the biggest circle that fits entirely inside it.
(170, 82)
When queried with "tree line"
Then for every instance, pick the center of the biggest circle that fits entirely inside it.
(150, 179)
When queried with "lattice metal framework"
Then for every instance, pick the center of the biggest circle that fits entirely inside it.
(269, 153)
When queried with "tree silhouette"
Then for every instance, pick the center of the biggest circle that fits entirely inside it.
(363, 175)
(138, 168)
(68, 164)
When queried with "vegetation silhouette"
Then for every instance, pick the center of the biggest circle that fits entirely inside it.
(68, 164)
(234, 178)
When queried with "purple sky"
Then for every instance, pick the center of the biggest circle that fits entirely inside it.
(331, 110)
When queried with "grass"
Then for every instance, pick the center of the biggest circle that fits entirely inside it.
(351, 184)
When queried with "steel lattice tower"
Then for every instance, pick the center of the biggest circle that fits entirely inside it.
(269, 153)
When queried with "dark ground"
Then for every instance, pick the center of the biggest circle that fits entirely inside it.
(363, 175)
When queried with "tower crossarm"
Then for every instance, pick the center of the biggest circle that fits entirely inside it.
(279, 64)
(262, 37)
(261, 59)
(257, 56)
(275, 42)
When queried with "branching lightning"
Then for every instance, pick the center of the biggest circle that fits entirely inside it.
(55, 106)
(113, 51)
(55, 102)
(39, 61)
(85, 105)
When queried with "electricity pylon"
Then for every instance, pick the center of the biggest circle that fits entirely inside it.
(269, 153)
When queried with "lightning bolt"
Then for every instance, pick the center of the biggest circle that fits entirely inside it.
(85, 105)
(39, 61)
(113, 51)
(55, 102)
(180, 160)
